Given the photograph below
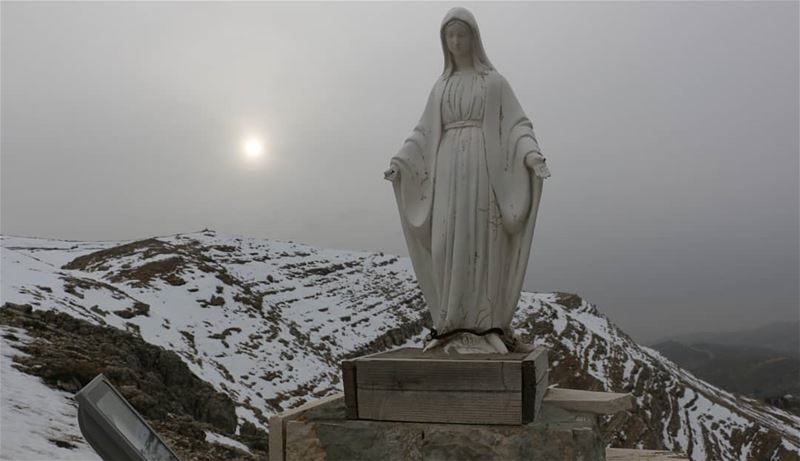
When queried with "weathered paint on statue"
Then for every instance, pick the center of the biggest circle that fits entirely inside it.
(468, 182)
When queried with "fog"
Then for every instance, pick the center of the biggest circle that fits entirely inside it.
(671, 130)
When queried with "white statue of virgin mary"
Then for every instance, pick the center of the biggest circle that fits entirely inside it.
(468, 182)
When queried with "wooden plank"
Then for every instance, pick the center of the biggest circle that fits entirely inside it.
(416, 353)
(627, 454)
(439, 375)
(378, 354)
(539, 358)
(441, 407)
(589, 402)
(529, 407)
(534, 383)
(349, 374)
(277, 438)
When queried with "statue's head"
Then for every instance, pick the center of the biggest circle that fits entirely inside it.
(460, 36)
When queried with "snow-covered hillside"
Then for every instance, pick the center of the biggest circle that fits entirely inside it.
(268, 322)
(674, 409)
(36, 421)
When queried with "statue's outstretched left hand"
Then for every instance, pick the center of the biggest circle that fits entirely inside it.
(536, 162)
(391, 174)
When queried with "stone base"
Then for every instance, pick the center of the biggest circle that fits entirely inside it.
(624, 454)
(320, 431)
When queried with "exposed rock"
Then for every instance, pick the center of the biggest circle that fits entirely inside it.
(139, 308)
(68, 353)
(289, 301)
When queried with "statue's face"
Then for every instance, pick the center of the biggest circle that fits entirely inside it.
(459, 39)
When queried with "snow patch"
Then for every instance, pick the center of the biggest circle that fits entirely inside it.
(38, 422)
(220, 439)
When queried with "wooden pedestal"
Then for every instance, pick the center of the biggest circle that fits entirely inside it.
(433, 387)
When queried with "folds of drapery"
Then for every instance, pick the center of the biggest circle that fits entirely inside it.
(509, 137)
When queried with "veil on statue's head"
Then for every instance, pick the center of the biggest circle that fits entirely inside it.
(481, 61)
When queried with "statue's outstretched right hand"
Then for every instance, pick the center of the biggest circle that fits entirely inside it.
(536, 162)
(391, 174)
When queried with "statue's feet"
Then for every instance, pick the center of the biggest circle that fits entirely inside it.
(497, 343)
(432, 345)
(514, 344)
(468, 343)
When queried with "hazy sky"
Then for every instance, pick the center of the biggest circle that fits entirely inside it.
(671, 130)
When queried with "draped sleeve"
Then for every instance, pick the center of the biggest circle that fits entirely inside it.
(515, 187)
(416, 163)
(414, 189)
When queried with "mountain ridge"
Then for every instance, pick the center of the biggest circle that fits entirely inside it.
(267, 322)
(778, 336)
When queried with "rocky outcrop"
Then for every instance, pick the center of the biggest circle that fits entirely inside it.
(291, 312)
(674, 409)
(394, 337)
(67, 353)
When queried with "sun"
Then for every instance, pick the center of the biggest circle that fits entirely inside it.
(253, 148)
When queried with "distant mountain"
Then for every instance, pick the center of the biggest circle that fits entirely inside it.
(758, 372)
(762, 362)
(266, 323)
(781, 337)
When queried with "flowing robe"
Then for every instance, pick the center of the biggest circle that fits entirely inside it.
(467, 201)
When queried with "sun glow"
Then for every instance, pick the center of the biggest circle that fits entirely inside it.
(253, 148)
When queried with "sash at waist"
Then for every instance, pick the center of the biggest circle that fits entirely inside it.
(463, 124)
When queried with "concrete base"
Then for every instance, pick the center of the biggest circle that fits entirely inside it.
(624, 454)
(320, 431)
